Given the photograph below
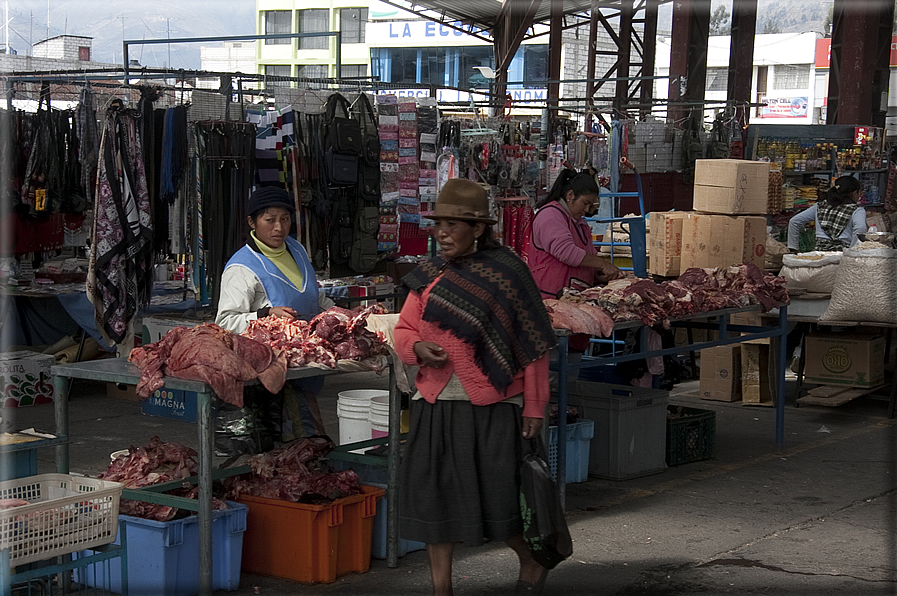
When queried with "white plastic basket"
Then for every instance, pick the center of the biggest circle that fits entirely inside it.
(66, 514)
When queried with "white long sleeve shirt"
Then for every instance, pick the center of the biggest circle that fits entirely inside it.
(243, 295)
(856, 226)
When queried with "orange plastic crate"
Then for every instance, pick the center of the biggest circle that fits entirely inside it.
(309, 543)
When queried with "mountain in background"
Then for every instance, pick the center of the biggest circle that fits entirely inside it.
(773, 16)
(110, 21)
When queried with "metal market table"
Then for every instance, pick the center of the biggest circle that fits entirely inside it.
(118, 370)
(721, 325)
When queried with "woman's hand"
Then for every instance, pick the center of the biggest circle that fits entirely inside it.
(531, 427)
(607, 273)
(282, 311)
(430, 354)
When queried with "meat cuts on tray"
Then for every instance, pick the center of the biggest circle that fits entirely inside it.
(335, 334)
(155, 463)
(296, 473)
(695, 291)
(579, 318)
(211, 354)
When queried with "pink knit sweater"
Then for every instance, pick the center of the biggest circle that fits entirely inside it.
(532, 381)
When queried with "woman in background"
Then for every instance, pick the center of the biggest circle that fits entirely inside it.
(838, 218)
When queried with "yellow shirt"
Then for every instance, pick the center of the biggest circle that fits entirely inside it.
(282, 258)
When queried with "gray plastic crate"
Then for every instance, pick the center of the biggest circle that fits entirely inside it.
(630, 428)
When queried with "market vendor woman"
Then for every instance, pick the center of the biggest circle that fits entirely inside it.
(838, 218)
(475, 324)
(563, 254)
(272, 275)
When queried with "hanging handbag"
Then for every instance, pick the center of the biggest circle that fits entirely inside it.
(342, 142)
(544, 525)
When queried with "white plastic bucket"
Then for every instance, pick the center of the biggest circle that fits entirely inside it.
(353, 409)
(116, 454)
(379, 417)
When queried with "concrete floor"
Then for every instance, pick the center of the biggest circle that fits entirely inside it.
(819, 517)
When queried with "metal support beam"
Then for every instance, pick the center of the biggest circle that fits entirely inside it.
(741, 62)
(688, 58)
(554, 53)
(593, 55)
(513, 21)
(859, 73)
(646, 86)
(624, 51)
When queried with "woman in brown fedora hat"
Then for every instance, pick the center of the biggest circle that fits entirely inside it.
(475, 324)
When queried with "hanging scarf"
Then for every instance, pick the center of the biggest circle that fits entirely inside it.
(120, 275)
(87, 145)
(489, 300)
(833, 220)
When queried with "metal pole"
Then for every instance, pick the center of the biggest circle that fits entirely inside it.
(204, 404)
(61, 411)
(780, 373)
(563, 347)
(392, 471)
(339, 54)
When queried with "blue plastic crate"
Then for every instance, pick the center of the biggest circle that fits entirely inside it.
(579, 435)
(163, 557)
(20, 463)
(171, 403)
(378, 538)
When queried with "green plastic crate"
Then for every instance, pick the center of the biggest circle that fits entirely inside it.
(690, 437)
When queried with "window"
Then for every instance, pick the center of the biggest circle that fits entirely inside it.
(717, 79)
(84, 54)
(277, 70)
(314, 71)
(791, 76)
(351, 24)
(277, 21)
(314, 21)
(349, 71)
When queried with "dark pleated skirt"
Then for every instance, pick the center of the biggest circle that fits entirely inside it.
(459, 477)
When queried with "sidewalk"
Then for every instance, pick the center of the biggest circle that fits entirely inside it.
(818, 518)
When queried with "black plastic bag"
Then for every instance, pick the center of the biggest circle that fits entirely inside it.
(249, 430)
(544, 526)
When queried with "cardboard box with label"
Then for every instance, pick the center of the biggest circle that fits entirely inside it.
(721, 373)
(665, 242)
(731, 186)
(845, 359)
(756, 385)
(720, 241)
(25, 378)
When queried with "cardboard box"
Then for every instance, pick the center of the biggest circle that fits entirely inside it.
(154, 328)
(751, 319)
(720, 240)
(731, 186)
(665, 243)
(756, 387)
(25, 379)
(846, 359)
(122, 391)
(721, 373)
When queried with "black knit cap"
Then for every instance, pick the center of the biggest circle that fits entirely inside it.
(270, 196)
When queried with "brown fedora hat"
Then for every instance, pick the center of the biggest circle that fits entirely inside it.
(464, 200)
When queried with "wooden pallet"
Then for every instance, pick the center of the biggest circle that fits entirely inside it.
(835, 396)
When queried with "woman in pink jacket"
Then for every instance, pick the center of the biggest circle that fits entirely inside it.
(562, 252)
(476, 325)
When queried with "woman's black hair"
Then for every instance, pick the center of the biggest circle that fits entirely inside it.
(581, 183)
(839, 193)
(487, 239)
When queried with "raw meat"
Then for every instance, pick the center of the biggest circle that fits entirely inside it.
(335, 334)
(579, 318)
(155, 463)
(211, 354)
(295, 472)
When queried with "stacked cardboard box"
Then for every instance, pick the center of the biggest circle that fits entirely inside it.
(721, 241)
(731, 186)
(721, 373)
(665, 243)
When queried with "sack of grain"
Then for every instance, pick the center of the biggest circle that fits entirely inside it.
(811, 271)
(865, 286)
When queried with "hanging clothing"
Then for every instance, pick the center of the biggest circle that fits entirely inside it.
(120, 274)
(558, 247)
(86, 116)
